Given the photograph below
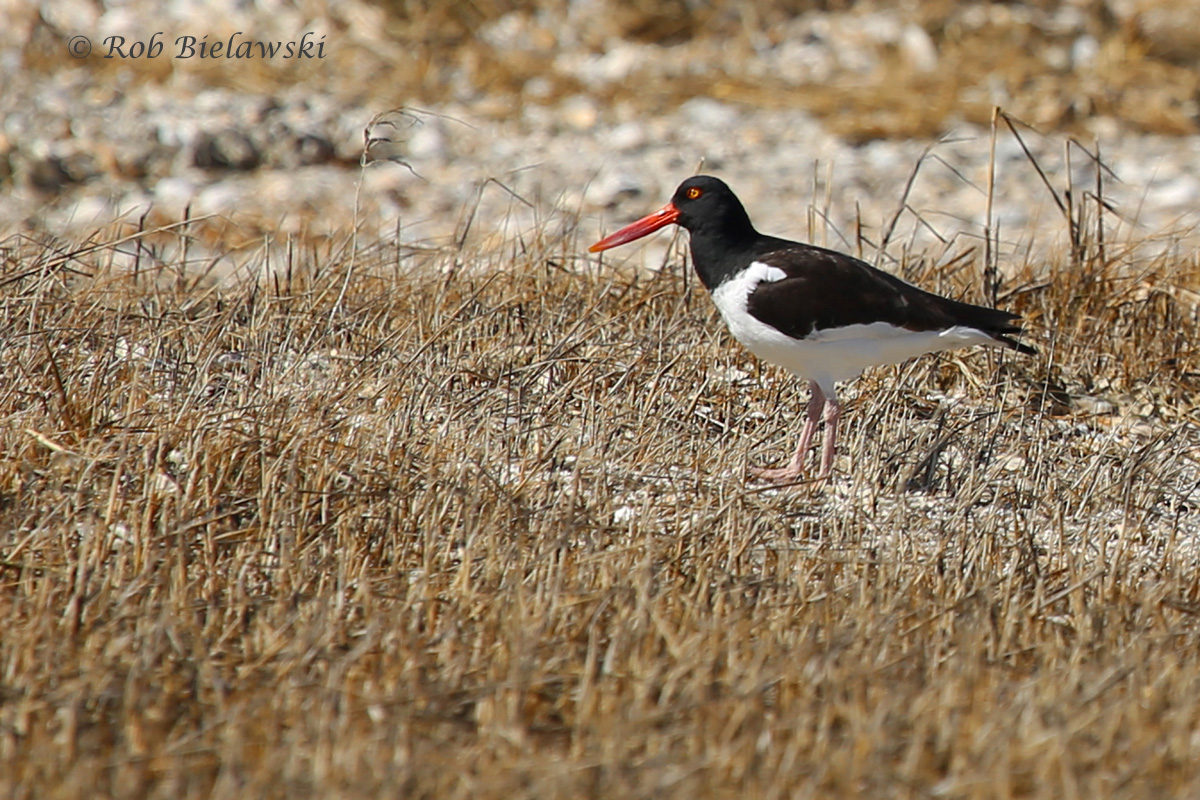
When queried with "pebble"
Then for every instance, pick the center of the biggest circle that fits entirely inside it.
(579, 112)
(1088, 404)
(918, 48)
(225, 149)
(173, 194)
(628, 136)
(428, 141)
(799, 61)
(612, 188)
(1084, 51)
(69, 14)
(711, 115)
(571, 132)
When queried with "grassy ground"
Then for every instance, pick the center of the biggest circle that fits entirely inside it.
(1010, 54)
(1017, 55)
(476, 524)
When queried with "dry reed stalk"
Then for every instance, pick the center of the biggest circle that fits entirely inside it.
(490, 535)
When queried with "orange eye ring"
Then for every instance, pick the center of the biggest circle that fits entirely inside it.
(694, 192)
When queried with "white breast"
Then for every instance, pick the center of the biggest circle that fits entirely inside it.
(833, 354)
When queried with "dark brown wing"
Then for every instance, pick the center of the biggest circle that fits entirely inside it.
(826, 289)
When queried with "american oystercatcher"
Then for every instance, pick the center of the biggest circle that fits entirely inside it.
(822, 315)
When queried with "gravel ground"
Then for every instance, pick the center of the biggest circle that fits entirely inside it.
(87, 141)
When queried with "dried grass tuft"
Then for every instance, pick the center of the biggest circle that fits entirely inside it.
(474, 523)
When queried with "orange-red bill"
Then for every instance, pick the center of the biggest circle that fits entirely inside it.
(636, 230)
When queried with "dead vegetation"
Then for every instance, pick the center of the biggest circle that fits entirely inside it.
(1021, 56)
(1138, 69)
(475, 523)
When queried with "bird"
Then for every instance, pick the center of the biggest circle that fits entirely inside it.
(822, 315)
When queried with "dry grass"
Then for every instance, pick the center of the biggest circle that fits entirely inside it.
(475, 524)
(1013, 55)
(1010, 54)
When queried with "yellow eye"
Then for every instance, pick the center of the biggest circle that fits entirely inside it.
(694, 192)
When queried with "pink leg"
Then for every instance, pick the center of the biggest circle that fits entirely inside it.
(795, 468)
(833, 412)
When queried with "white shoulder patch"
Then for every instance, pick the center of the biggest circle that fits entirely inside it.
(758, 272)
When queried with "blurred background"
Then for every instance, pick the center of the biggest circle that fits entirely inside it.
(568, 115)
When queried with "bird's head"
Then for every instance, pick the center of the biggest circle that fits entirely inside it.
(700, 200)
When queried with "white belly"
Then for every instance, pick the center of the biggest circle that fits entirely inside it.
(831, 355)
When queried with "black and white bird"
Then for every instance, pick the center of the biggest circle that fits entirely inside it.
(822, 315)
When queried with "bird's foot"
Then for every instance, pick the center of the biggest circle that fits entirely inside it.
(787, 475)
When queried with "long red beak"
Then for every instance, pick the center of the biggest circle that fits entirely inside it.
(636, 230)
